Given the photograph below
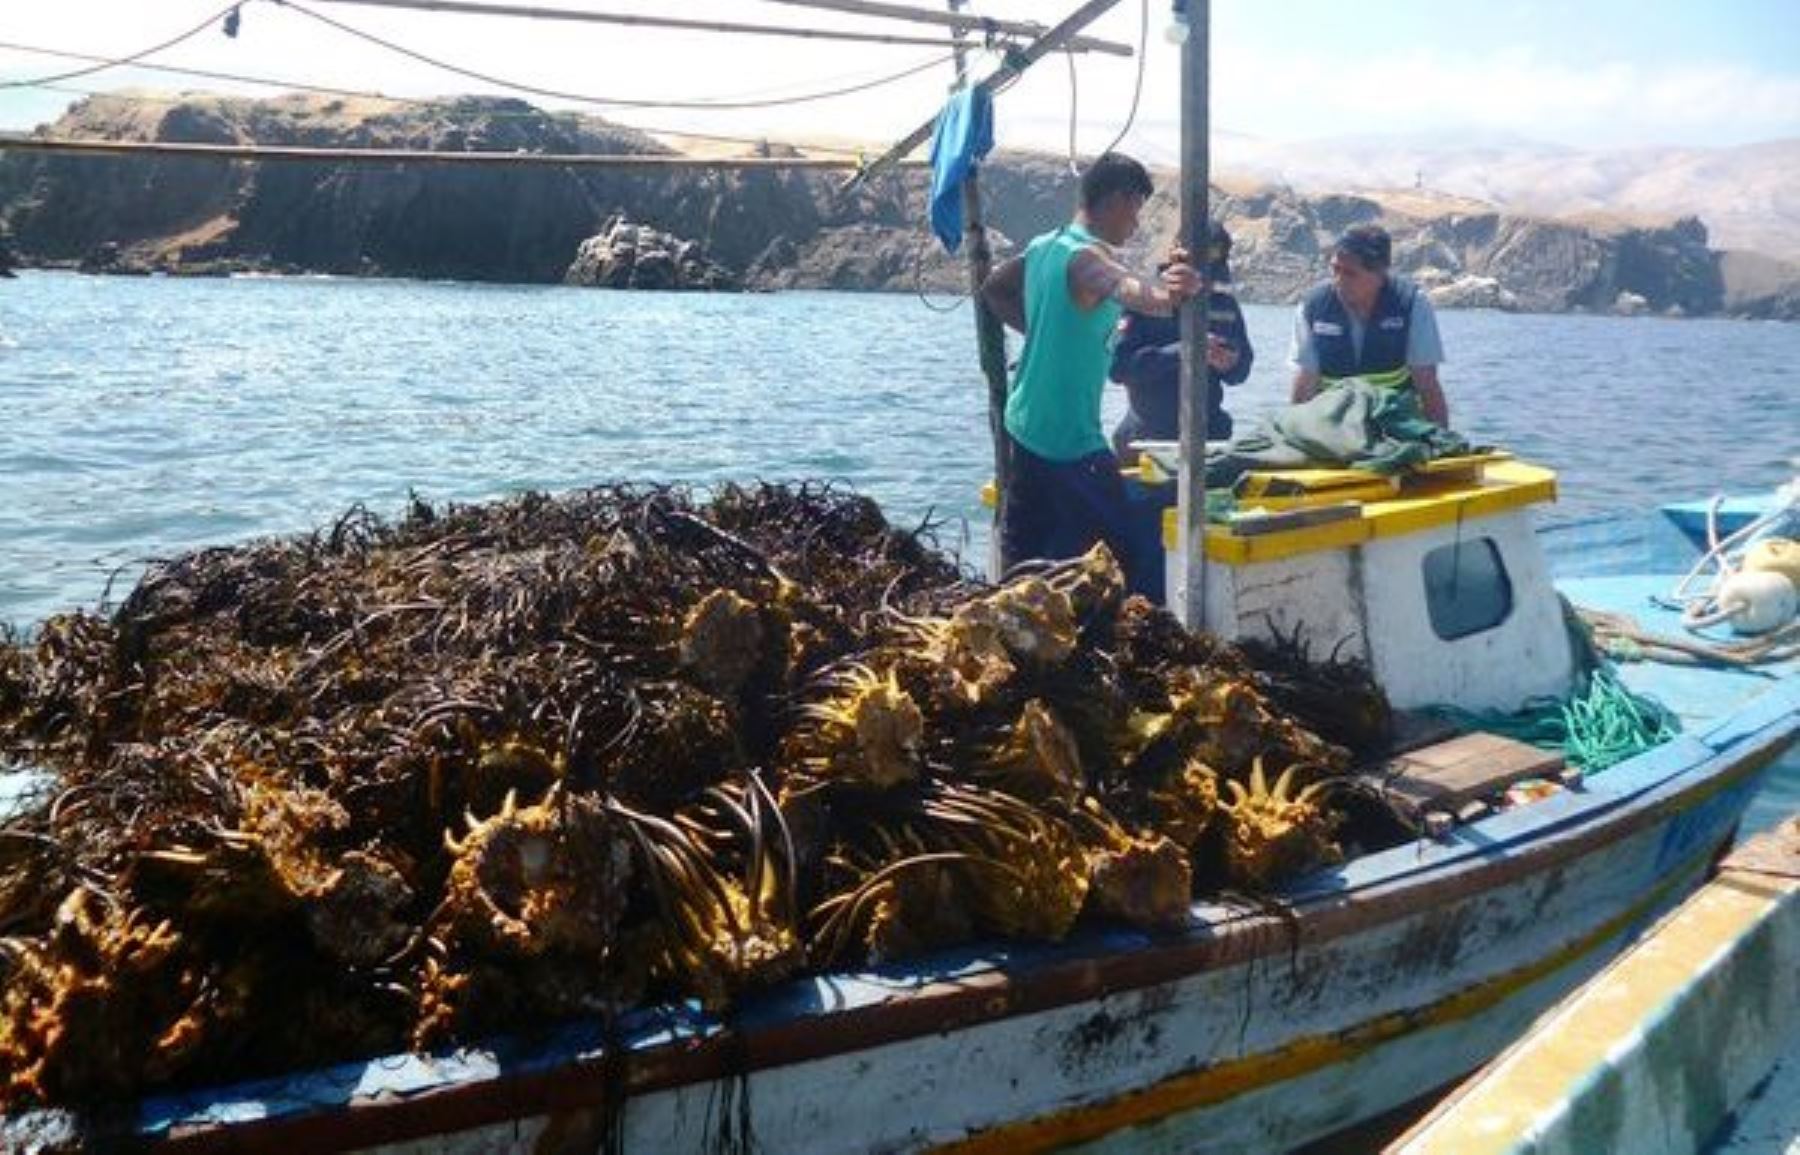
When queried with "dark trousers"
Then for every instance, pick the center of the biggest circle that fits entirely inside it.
(1060, 509)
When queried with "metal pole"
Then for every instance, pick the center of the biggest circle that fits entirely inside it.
(1195, 174)
(990, 337)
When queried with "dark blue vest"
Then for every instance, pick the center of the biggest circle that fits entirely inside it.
(1384, 341)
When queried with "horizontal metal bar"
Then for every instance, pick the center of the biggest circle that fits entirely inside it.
(21, 143)
(961, 21)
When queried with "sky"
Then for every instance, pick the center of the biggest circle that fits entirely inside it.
(1591, 74)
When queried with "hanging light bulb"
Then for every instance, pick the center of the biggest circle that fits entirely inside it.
(1177, 31)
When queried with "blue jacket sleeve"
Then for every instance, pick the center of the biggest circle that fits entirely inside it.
(1236, 332)
(1148, 352)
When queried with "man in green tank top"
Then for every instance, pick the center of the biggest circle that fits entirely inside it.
(1066, 293)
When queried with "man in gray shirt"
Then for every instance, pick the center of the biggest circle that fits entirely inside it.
(1367, 323)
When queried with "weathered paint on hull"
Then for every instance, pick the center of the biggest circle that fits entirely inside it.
(1262, 1055)
(1392, 975)
(1655, 1053)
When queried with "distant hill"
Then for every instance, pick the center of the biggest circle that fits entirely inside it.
(787, 228)
(1749, 196)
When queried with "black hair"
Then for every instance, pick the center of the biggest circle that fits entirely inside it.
(1113, 172)
(1370, 245)
(1218, 238)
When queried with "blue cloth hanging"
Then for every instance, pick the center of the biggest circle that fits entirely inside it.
(964, 134)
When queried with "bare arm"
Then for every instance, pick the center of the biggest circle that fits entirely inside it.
(1094, 277)
(1306, 385)
(1431, 394)
(1004, 293)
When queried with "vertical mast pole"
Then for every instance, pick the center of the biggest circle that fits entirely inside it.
(990, 338)
(1195, 175)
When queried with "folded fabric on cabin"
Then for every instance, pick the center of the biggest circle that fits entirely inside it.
(1353, 425)
(964, 134)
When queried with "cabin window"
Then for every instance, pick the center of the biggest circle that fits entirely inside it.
(1466, 588)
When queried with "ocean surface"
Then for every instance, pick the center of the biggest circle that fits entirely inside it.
(147, 416)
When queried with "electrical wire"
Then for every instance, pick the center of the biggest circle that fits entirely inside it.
(1137, 88)
(918, 279)
(610, 102)
(202, 73)
(1074, 115)
(1137, 93)
(362, 94)
(666, 23)
(121, 61)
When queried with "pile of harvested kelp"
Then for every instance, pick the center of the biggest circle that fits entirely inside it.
(394, 786)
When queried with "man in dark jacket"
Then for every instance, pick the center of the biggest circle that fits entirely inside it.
(1366, 322)
(1147, 360)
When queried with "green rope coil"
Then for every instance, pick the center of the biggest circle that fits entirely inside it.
(1601, 725)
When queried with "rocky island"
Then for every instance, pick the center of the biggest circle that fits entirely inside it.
(755, 229)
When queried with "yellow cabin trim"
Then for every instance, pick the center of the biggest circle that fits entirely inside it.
(1430, 498)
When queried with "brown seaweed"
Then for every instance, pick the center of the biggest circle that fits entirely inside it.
(497, 765)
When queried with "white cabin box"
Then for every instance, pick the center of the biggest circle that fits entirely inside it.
(1437, 580)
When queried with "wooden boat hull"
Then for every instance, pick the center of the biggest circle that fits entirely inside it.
(1249, 1030)
(1655, 1054)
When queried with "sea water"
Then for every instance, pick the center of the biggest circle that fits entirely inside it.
(147, 416)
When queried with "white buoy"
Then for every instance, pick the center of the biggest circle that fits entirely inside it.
(1755, 602)
(1774, 555)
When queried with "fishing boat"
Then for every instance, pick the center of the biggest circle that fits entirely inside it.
(1254, 1026)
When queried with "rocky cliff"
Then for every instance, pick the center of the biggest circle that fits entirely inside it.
(413, 220)
(778, 229)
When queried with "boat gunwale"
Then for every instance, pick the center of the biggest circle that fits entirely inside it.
(1034, 980)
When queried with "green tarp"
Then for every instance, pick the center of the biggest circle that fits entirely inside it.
(1353, 425)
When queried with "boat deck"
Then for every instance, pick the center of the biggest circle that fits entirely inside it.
(1698, 694)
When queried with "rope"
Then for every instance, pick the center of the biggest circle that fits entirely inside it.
(604, 101)
(1074, 115)
(1137, 93)
(1599, 726)
(1620, 637)
(1701, 609)
(120, 61)
(1611, 724)
(360, 94)
(957, 301)
(1137, 88)
(791, 31)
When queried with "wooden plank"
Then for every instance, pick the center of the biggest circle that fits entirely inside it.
(1256, 524)
(1458, 774)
